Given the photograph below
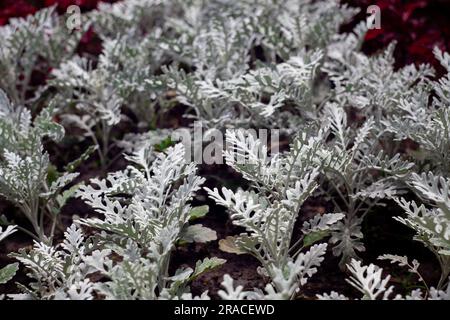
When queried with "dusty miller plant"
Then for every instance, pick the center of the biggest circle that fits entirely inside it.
(92, 93)
(24, 167)
(426, 123)
(269, 210)
(144, 215)
(431, 219)
(143, 42)
(7, 272)
(229, 64)
(358, 175)
(373, 284)
(371, 84)
(33, 45)
(93, 96)
(232, 83)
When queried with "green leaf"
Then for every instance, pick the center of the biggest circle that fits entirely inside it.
(313, 237)
(52, 174)
(206, 265)
(8, 272)
(66, 195)
(163, 145)
(4, 221)
(74, 164)
(198, 212)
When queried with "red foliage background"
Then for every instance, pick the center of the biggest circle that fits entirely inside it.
(22, 8)
(417, 25)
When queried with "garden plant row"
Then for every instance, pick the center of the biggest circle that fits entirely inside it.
(353, 131)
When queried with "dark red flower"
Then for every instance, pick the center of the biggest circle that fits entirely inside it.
(64, 4)
(90, 43)
(409, 9)
(373, 34)
(417, 26)
(18, 8)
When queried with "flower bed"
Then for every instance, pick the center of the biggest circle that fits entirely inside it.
(99, 199)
